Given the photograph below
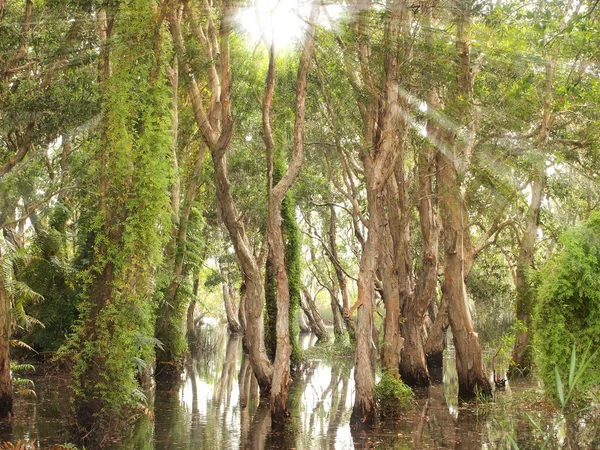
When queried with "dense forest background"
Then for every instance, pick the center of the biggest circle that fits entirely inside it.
(400, 168)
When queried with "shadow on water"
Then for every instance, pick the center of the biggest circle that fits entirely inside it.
(215, 405)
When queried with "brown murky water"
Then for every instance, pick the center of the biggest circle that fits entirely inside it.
(215, 406)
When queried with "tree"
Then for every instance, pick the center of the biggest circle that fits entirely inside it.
(133, 167)
(454, 157)
(216, 127)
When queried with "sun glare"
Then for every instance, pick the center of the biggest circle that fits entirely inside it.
(281, 20)
(274, 19)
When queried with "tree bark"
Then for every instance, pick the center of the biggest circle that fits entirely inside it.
(363, 411)
(469, 361)
(436, 340)
(281, 365)
(453, 160)
(217, 135)
(314, 317)
(522, 358)
(380, 119)
(413, 362)
(304, 324)
(392, 341)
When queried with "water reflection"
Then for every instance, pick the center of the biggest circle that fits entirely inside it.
(216, 405)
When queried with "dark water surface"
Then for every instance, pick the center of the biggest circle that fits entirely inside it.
(215, 406)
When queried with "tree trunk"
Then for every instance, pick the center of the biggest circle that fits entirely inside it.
(229, 303)
(339, 273)
(303, 320)
(314, 317)
(522, 358)
(392, 342)
(413, 362)
(380, 118)
(436, 340)
(217, 132)
(469, 361)
(6, 394)
(281, 365)
(396, 262)
(363, 412)
(336, 309)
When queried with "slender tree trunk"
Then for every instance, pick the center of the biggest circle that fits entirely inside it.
(522, 358)
(336, 309)
(229, 303)
(190, 325)
(314, 317)
(6, 394)
(217, 134)
(339, 273)
(303, 320)
(281, 365)
(413, 363)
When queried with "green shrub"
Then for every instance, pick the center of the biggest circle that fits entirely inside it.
(568, 309)
(392, 395)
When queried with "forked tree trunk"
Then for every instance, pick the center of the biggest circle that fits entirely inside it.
(413, 363)
(314, 317)
(472, 377)
(380, 118)
(281, 365)
(216, 126)
(453, 160)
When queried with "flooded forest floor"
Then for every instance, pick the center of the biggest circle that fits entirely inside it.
(216, 406)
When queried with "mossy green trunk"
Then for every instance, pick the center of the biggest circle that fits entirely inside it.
(133, 167)
(291, 234)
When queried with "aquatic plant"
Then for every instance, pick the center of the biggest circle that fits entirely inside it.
(392, 395)
(567, 394)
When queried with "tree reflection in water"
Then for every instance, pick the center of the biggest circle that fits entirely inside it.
(214, 410)
(215, 405)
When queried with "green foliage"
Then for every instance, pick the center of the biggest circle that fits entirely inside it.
(567, 393)
(23, 386)
(568, 310)
(392, 395)
(49, 272)
(132, 220)
(491, 289)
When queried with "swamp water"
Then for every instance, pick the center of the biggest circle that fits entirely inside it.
(215, 406)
